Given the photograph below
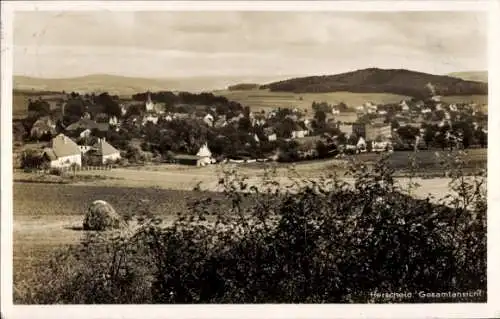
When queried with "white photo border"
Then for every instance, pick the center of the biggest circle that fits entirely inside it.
(490, 309)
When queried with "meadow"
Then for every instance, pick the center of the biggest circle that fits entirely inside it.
(48, 216)
(259, 100)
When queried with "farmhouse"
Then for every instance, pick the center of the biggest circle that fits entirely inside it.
(63, 152)
(202, 158)
(43, 126)
(105, 151)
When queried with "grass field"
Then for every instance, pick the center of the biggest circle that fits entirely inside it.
(46, 215)
(259, 100)
(478, 99)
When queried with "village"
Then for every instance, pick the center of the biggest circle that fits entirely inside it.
(202, 129)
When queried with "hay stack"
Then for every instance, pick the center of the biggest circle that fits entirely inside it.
(102, 216)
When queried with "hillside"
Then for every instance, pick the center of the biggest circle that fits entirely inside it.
(480, 76)
(122, 85)
(374, 80)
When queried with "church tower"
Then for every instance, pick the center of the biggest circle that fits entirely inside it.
(149, 103)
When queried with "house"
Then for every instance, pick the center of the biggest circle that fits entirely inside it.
(104, 151)
(84, 149)
(299, 131)
(221, 122)
(374, 130)
(84, 124)
(347, 117)
(209, 120)
(345, 128)
(153, 118)
(202, 158)
(361, 145)
(113, 120)
(378, 120)
(85, 133)
(404, 105)
(272, 137)
(123, 109)
(381, 146)
(63, 152)
(43, 126)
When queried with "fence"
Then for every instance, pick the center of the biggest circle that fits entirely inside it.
(75, 169)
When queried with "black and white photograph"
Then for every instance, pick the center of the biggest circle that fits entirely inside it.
(228, 156)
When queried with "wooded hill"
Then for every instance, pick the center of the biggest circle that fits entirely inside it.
(374, 80)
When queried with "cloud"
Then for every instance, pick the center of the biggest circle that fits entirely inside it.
(247, 42)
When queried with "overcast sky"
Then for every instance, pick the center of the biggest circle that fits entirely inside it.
(173, 44)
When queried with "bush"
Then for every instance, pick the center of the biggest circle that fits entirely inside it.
(314, 242)
(31, 159)
(56, 171)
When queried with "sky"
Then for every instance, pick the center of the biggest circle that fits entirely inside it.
(188, 44)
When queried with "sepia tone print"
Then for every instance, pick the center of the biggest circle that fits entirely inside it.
(249, 157)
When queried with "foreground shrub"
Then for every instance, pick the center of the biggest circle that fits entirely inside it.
(313, 242)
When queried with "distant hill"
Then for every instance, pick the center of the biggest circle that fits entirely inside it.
(480, 76)
(243, 87)
(374, 80)
(122, 85)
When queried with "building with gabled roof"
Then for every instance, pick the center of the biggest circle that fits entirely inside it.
(105, 151)
(202, 158)
(63, 152)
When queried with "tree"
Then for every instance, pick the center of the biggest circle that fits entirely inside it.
(481, 136)
(322, 149)
(39, 107)
(285, 128)
(74, 107)
(110, 105)
(244, 124)
(18, 131)
(430, 133)
(408, 133)
(320, 118)
(342, 107)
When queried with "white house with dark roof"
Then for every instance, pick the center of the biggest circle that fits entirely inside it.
(63, 152)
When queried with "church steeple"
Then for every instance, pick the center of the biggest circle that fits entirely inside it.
(149, 102)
